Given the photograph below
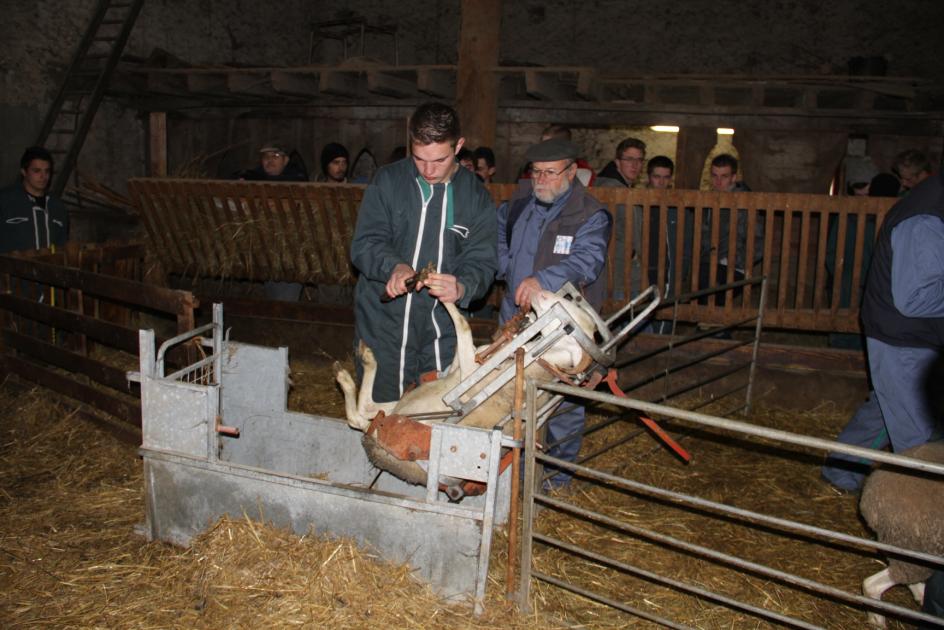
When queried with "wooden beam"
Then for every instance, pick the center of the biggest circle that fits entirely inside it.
(117, 289)
(166, 83)
(588, 87)
(476, 84)
(252, 83)
(208, 83)
(340, 83)
(436, 83)
(157, 144)
(544, 86)
(295, 83)
(389, 85)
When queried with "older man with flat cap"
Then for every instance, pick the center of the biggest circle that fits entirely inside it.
(551, 232)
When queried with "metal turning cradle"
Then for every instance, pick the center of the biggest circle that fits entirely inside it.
(535, 339)
(218, 439)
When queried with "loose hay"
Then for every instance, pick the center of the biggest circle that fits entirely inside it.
(70, 496)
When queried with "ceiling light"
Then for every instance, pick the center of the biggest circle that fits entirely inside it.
(665, 128)
(725, 131)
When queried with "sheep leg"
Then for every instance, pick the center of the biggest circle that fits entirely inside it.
(874, 586)
(354, 417)
(465, 347)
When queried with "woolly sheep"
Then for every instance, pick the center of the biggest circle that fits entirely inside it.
(905, 508)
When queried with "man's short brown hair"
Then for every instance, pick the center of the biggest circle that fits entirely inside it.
(433, 123)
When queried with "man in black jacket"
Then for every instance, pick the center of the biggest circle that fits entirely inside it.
(31, 218)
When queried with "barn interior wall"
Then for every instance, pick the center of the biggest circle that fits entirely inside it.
(801, 37)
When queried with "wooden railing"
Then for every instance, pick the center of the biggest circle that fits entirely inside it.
(71, 318)
(813, 249)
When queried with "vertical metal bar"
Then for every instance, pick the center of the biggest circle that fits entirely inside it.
(527, 525)
(218, 344)
(510, 575)
(488, 520)
(749, 394)
(432, 472)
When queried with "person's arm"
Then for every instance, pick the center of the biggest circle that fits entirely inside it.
(587, 255)
(478, 258)
(918, 267)
(372, 250)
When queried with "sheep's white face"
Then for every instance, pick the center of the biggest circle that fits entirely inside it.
(566, 353)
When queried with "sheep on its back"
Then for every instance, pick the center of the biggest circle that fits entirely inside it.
(905, 508)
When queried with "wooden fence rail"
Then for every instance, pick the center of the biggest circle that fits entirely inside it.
(814, 249)
(70, 321)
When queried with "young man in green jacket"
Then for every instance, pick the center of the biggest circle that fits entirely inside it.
(420, 211)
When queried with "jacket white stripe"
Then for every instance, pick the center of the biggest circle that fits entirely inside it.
(432, 313)
(409, 295)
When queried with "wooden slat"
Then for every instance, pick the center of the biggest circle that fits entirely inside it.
(60, 357)
(113, 335)
(110, 287)
(101, 400)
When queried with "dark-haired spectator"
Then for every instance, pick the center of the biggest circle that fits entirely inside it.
(466, 160)
(659, 171)
(723, 172)
(624, 169)
(31, 219)
(912, 167)
(277, 163)
(423, 210)
(335, 161)
(484, 159)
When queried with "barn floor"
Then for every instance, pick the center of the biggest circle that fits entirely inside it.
(71, 494)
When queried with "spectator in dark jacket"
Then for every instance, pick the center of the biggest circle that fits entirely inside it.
(276, 164)
(31, 218)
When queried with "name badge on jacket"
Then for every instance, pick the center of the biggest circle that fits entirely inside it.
(562, 244)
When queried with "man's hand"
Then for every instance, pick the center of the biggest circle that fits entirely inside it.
(527, 289)
(396, 285)
(443, 286)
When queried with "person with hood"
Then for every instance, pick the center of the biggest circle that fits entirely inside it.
(623, 172)
(420, 212)
(334, 164)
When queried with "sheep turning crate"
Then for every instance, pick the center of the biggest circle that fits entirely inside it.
(217, 439)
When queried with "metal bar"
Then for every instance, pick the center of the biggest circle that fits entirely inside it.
(612, 603)
(676, 343)
(210, 360)
(527, 517)
(744, 427)
(511, 573)
(181, 337)
(749, 395)
(715, 399)
(695, 591)
(680, 366)
(488, 519)
(735, 561)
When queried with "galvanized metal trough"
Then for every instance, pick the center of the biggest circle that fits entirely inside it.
(217, 439)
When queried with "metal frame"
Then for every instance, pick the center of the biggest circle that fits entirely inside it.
(533, 494)
(300, 470)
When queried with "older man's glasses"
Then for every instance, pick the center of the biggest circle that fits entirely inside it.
(548, 173)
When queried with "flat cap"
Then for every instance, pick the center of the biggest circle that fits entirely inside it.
(552, 150)
(274, 146)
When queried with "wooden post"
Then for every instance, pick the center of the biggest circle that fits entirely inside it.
(157, 145)
(476, 84)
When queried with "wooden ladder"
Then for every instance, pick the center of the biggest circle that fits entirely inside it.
(69, 117)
